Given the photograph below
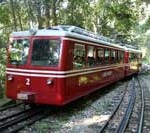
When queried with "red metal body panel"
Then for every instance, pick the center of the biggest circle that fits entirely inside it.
(83, 84)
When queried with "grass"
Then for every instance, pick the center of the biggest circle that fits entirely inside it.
(4, 100)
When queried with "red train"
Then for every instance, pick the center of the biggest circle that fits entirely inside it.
(58, 65)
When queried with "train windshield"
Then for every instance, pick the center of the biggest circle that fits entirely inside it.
(45, 52)
(18, 51)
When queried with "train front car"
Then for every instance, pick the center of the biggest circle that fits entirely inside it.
(33, 67)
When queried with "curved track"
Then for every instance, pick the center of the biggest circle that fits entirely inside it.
(135, 123)
(126, 105)
(114, 112)
(146, 116)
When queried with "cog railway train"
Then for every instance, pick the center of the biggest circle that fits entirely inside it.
(58, 65)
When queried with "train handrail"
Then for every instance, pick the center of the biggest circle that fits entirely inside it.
(78, 30)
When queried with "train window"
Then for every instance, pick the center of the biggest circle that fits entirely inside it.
(18, 51)
(107, 55)
(117, 56)
(122, 57)
(91, 54)
(100, 56)
(131, 57)
(136, 57)
(79, 56)
(45, 52)
(113, 56)
(139, 56)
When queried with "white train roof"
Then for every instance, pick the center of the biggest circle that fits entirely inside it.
(73, 32)
(133, 50)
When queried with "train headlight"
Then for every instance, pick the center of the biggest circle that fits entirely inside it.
(49, 81)
(10, 77)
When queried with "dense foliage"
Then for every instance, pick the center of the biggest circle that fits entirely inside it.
(2, 63)
(102, 16)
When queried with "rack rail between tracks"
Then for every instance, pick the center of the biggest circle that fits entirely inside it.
(127, 113)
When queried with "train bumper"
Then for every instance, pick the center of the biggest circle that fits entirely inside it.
(27, 96)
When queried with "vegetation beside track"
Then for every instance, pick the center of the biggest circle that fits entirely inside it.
(2, 71)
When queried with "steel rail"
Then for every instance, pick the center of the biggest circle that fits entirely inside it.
(18, 119)
(140, 126)
(10, 106)
(114, 111)
(20, 127)
(146, 116)
(14, 115)
(123, 124)
(8, 103)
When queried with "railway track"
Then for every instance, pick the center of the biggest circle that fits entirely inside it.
(19, 120)
(10, 105)
(135, 123)
(146, 116)
(12, 123)
(125, 117)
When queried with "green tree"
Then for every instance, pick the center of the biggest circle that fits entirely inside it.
(5, 16)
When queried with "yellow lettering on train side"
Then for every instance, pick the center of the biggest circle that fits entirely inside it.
(94, 79)
(83, 80)
(106, 74)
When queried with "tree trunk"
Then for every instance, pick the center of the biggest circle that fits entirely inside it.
(13, 14)
(54, 12)
(39, 18)
(47, 13)
(19, 16)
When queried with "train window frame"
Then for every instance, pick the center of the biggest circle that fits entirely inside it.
(131, 57)
(18, 51)
(100, 56)
(113, 56)
(79, 53)
(91, 56)
(107, 56)
(49, 55)
(139, 56)
(119, 56)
